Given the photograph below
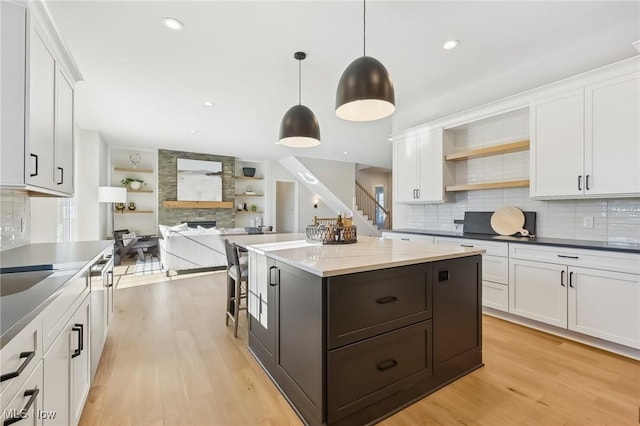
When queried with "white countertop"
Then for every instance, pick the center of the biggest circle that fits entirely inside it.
(367, 254)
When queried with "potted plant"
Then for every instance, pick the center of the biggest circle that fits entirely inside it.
(132, 183)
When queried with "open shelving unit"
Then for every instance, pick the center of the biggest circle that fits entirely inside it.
(255, 184)
(489, 185)
(505, 148)
(173, 204)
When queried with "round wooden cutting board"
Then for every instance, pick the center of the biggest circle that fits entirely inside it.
(508, 220)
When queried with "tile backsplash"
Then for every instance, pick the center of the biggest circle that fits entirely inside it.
(614, 220)
(14, 219)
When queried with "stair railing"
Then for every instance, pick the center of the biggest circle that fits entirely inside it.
(368, 204)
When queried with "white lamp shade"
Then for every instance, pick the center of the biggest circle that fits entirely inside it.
(112, 194)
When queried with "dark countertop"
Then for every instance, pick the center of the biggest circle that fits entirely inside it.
(557, 242)
(43, 256)
(40, 273)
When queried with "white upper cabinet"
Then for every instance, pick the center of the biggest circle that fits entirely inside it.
(37, 79)
(612, 137)
(418, 167)
(557, 141)
(41, 136)
(586, 142)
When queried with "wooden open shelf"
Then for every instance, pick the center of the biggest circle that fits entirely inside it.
(249, 195)
(488, 185)
(146, 191)
(507, 148)
(249, 211)
(132, 170)
(198, 204)
(249, 178)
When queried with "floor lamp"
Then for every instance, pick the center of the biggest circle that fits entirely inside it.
(112, 194)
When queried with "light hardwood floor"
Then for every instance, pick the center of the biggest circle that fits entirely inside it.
(169, 360)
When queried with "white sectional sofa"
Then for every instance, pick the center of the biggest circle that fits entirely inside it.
(183, 248)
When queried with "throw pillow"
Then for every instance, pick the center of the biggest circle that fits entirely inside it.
(180, 228)
(127, 238)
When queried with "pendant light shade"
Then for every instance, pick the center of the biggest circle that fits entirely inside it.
(365, 91)
(299, 127)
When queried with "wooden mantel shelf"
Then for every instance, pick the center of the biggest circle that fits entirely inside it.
(507, 148)
(198, 204)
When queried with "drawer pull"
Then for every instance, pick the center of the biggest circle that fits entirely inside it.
(80, 329)
(29, 356)
(466, 245)
(386, 364)
(567, 257)
(386, 299)
(405, 239)
(33, 393)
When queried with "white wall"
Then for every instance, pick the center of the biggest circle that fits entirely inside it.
(338, 176)
(90, 218)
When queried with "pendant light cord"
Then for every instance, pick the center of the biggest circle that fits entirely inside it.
(364, 28)
(299, 81)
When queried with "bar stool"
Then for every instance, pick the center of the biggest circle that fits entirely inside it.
(237, 275)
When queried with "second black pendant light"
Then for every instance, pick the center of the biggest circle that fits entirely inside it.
(365, 91)
(299, 127)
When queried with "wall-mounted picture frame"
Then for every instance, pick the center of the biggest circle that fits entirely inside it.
(199, 180)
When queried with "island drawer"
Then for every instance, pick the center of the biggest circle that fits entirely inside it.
(367, 372)
(366, 304)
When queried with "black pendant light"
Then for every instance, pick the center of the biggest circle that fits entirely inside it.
(365, 91)
(299, 127)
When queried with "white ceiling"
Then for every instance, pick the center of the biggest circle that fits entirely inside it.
(145, 85)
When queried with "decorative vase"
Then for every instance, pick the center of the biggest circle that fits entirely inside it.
(120, 207)
(135, 185)
(132, 206)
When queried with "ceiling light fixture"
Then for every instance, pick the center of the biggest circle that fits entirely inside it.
(172, 24)
(451, 44)
(365, 91)
(193, 132)
(299, 127)
(208, 103)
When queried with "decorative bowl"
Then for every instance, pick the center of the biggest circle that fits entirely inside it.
(249, 171)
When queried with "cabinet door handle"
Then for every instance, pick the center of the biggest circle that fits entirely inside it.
(80, 329)
(259, 306)
(571, 279)
(466, 245)
(61, 175)
(386, 299)
(418, 192)
(274, 276)
(29, 356)
(36, 173)
(405, 239)
(568, 257)
(386, 364)
(23, 414)
(586, 182)
(580, 183)
(109, 279)
(562, 278)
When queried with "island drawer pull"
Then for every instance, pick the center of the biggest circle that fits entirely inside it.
(466, 245)
(22, 414)
(386, 299)
(405, 239)
(567, 257)
(386, 364)
(29, 356)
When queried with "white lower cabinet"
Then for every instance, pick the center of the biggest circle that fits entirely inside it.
(538, 291)
(26, 406)
(575, 295)
(605, 304)
(67, 369)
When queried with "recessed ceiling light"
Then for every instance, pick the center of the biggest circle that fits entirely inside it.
(193, 132)
(209, 104)
(390, 139)
(346, 152)
(451, 44)
(173, 24)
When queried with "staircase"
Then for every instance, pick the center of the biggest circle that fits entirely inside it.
(363, 221)
(366, 205)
